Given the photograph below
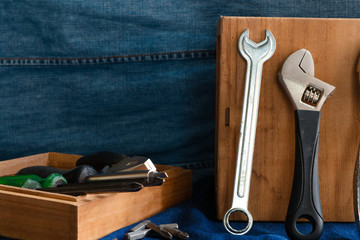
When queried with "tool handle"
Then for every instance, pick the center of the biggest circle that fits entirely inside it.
(75, 175)
(100, 160)
(305, 195)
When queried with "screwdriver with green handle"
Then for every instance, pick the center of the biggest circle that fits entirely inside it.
(33, 181)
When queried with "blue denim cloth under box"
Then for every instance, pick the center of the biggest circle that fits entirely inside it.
(133, 77)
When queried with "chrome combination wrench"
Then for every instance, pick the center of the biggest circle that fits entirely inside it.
(255, 54)
(307, 95)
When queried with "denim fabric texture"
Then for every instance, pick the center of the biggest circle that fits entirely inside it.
(143, 107)
(133, 77)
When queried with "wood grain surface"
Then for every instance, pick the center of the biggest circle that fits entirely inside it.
(335, 47)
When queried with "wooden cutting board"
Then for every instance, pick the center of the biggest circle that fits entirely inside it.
(335, 47)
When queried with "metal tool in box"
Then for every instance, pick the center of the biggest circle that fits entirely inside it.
(166, 231)
(84, 178)
(255, 54)
(307, 95)
(126, 181)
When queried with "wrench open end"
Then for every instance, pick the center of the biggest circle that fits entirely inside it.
(238, 231)
(264, 49)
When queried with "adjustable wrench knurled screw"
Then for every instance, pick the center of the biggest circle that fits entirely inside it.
(255, 54)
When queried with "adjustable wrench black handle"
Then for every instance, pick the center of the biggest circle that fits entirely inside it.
(305, 194)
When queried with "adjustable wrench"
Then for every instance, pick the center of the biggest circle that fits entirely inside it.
(307, 95)
(255, 54)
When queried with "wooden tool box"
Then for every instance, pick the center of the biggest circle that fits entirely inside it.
(335, 47)
(32, 214)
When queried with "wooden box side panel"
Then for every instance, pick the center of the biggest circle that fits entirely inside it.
(335, 59)
(28, 217)
(63, 161)
(106, 213)
(10, 167)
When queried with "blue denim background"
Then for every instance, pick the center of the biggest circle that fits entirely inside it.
(134, 77)
(147, 107)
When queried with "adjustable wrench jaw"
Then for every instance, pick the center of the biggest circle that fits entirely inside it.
(297, 78)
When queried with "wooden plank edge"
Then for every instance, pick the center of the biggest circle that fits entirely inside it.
(10, 167)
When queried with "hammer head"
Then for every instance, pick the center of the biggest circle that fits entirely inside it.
(297, 77)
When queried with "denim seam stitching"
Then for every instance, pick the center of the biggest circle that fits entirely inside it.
(109, 59)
